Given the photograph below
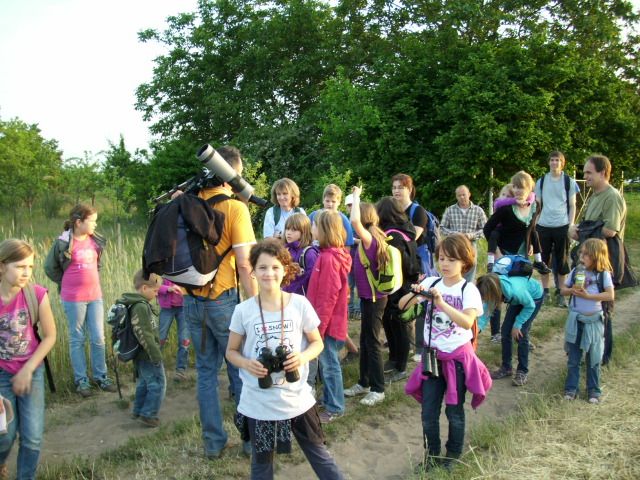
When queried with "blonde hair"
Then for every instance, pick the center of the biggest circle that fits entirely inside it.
(599, 253)
(300, 223)
(331, 232)
(506, 191)
(458, 247)
(14, 250)
(523, 180)
(332, 191)
(139, 280)
(490, 290)
(285, 185)
(369, 218)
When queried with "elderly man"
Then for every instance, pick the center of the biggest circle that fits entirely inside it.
(466, 218)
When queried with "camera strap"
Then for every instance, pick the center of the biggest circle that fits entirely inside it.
(264, 326)
(431, 307)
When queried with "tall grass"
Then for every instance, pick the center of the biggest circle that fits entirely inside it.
(121, 259)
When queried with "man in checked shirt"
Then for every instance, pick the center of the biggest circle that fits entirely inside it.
(466, 218)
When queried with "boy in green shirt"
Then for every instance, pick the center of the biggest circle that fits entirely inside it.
(149, 370)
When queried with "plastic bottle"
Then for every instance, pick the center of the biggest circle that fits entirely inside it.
(580, 276)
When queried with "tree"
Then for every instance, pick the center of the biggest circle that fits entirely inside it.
(26, 160)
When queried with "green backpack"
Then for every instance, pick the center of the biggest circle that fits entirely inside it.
(389, 278)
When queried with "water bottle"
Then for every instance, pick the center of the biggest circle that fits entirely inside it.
(580, 276)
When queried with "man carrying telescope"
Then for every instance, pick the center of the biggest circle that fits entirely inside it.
(208, 314)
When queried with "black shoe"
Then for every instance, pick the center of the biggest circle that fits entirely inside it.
(542, 268)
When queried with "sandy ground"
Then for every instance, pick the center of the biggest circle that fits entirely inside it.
(380, 448)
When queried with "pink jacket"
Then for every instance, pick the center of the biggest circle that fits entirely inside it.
(477, 378)
(329, 291)
(167, 299)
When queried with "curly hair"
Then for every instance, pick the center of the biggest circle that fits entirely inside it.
(275, 248)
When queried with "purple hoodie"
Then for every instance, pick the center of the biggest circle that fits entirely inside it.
(301, 282)
(502, 201)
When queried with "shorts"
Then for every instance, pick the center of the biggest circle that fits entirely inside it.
(554, 241)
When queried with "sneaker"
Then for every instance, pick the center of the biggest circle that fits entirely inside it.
(372, 399)
(389, 366)
(356, 390)
(532, 346)
(497, 338)
(398, 376)
(519, 379)
(594, 400)
(107, 385)
(179, 376)
(84, 389)
(328, 417)
(561, 301)
(149, 422)
(542, 268)
(417, 357)
(569, 396)
(134, 416)
(501, 373)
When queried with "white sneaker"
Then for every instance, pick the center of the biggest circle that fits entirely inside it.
(372, 398)
(417, 357)
(356, 390)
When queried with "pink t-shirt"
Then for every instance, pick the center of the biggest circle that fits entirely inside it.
(17, 340)
(80, 281)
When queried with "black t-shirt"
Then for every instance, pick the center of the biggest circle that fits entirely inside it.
(419, 219)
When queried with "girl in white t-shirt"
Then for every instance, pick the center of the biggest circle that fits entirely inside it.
(452, 307)
(276, 401)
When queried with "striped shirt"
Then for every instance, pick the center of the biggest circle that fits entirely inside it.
(463, 220)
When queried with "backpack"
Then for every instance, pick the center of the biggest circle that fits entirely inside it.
(431, 237)
(607, 306)
(125, 344)
(411, 266)
(181, 239)
(567, 188)
(277, 213)
(33, 307)
(513, 266)
(389, 278)
(302, 261)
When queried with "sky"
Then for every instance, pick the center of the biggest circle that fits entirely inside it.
(72, 67)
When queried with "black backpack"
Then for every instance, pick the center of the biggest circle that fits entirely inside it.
(411, 265)
(124, 342)
(181, 239)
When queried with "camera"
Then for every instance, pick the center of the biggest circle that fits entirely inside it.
(423, 293)
(430, 363)
(274, 364)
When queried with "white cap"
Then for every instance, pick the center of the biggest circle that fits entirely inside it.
(348, 200)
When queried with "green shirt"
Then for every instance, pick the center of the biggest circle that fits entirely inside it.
(608, 206)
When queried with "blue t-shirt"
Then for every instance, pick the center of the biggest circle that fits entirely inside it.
(345, 223)
(583, 305)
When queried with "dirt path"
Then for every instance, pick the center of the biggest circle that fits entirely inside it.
(381, 448)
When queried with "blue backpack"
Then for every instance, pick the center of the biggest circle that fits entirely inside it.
(431, 237)
(513, 266)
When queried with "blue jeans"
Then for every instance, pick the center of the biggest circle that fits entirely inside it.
(354, 304)
(433, 391)
(573, 368)
(28, 422)
(332, 375)
(184, 340)
(150, 388)
(83, 317)
(523, 342)
(216, 315)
